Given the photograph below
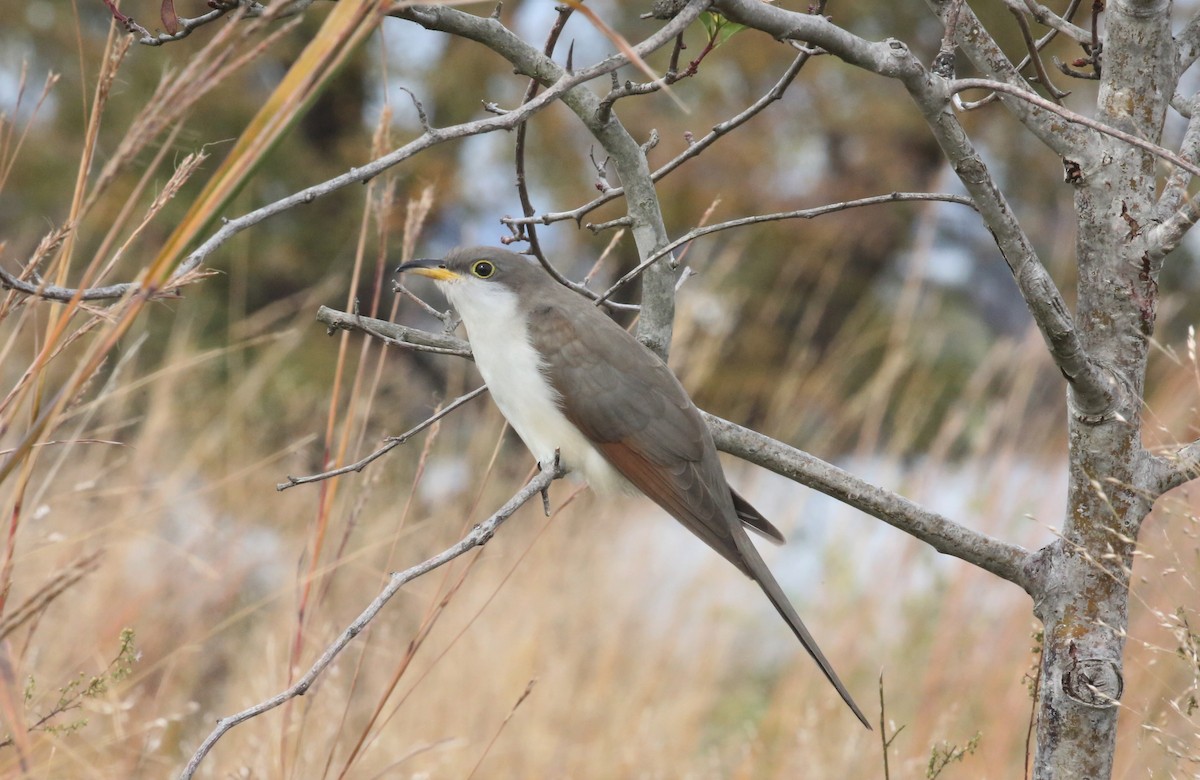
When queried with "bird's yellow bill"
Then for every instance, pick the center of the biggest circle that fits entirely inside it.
(440, 274)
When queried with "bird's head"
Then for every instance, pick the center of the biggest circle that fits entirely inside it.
(477, 266)
(479, 281)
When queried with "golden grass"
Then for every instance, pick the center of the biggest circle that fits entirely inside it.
(646, 660)
(602, 642)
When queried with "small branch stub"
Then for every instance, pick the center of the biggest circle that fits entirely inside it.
(1094, 682)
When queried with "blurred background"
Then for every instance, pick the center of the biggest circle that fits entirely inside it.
(602, 641)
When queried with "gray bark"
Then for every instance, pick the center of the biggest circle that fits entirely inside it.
(1079, 583)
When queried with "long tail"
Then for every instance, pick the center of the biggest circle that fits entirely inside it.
(757, 568)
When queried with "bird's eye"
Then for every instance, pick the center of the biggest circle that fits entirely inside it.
(483, 269)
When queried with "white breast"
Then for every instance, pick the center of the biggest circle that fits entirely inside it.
(515, 378)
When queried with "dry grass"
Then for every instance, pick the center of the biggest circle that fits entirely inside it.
(650, 659)
(602, 642)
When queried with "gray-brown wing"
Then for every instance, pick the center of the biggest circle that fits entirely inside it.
(633, 410)
(631, 407)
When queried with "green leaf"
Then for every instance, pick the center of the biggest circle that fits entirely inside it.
(718, 28)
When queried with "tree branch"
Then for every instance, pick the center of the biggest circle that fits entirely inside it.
(889, 58)
(1169, 472)
(392, 442)
(961, 85)
(693, 149)
(817, 211)
(986, 55)
(1006, 561)
(1040, 44)
(185, 25)
(1035, 57)
(562, 85)
(529, 232)
(390, 332)
(53, 292)
(1048, 18)
(1187, 45)
(1175, 191)
(479, 536)
(1095, 391)
(418, 338)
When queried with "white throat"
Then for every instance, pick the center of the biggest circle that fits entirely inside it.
(515, 376)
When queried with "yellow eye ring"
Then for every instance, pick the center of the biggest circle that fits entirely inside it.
(483, 269)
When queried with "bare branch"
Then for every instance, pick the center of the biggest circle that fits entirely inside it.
(1006, 561)
(1095, 390)
(1169, 472)
(960, 85)
(561, 87)
(392, 442)
(691, 235)
(1187, 45)
(529, 232)
(892, 59)
(185, 25)
(1048, 18)
(694, 148)
(53, 292)
(1035, 57)
(1040, 44)
(479, 536)
(392, 333)
(986, 55)
(1174, 205)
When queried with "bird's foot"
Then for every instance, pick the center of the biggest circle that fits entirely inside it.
(555, 468)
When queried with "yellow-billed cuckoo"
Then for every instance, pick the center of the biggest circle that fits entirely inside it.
(570, 380)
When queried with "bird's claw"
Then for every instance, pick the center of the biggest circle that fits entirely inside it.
(557, 470)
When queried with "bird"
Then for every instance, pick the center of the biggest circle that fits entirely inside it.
(583, 393)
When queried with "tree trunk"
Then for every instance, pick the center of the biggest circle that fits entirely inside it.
(1082, 595)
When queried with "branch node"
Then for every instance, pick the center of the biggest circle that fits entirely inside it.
(651, 142)
(420, 111)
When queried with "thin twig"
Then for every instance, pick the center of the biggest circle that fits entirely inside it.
(53, 292)
(1041, 43)
(529, 232)
(186, 25)
(478, 537)
(430, 138)
(884, 740)
(391, 443)
(391, 332)
(961, 85)
(695, 147)
(1035, 57)
(692, 235)
(1048, 18)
